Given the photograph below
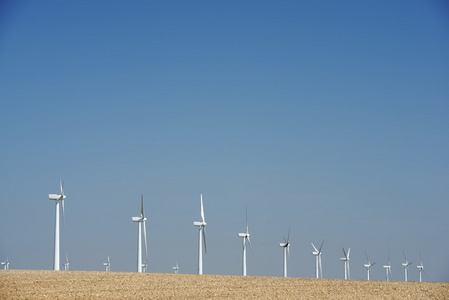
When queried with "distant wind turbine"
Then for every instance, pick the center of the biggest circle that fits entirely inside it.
(57, 198)
(318, 267)
(346, 261)
(202, 236)
(368, 267)
(420, 268)
(67, 264)
(141, 221)
(5, 264)
(388, 267)
(405, 265)
(107, 264)
(286, 246)
(176, 268)
(245, 237)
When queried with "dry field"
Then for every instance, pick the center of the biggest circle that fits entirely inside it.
(22, 284)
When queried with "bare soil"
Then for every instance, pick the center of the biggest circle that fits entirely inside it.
(32, 284)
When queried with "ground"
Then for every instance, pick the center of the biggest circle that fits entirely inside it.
(32, 284)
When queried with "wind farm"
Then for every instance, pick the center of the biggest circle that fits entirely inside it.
(325, 119)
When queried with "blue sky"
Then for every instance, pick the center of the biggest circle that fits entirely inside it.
(327, 117)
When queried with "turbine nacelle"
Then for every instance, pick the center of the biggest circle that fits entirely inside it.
(56, 197)
(244, 235)
(284, 245)
(199, 224)
(138, 219)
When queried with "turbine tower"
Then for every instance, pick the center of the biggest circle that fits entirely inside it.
(286, 246)
(405, 265)
(202, 236)
(318, 267)
(245, 237)
(387, 268)
(57, 198)
(139, 221)
(5, 264)
(346, 260)
(176, 268)
(420, 268)
(368, 267)
(107, 264)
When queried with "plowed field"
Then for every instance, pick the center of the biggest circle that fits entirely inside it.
(22, 284)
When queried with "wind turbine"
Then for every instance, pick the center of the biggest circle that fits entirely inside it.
(57, 198)
(202, 236)
(245, 237)
(387, 267)
(141, 220)
(346, 260)
(67, 264)
(405, 265)
(368, 267)
(176, 268)
(420, 268)
(286, 246)
(318, 267)
(5, 264)
(107, 264)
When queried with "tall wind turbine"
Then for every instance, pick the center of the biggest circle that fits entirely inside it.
(107, 264)
(5, 264)
(286, 246)
(318, 267)
(405, 265)
(141, 220)
(176, 268)
(202, 236)
(57, 198)
(420, 268)
(388, 267)
(245, 237)
(368, 267)
(346, 260)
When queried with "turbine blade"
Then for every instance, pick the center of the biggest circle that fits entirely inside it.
(247, 219)
(202, 208)
(321, 246)
(204, 238)
(366, 255)
(145, 239)
(288, 252)
(141, 207)
(288, 236)
(344, 252)
(250, 247)
(314, 247)
(349, 251)
(321, 268)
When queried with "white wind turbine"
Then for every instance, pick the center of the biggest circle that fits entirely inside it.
(5, 264)
(245, 237)
(286, 246)
(141, 220)
(107, 265)
(202, 236)
(67, 264)
(318, 267)
(346, 260)
(387, 268)
(405, 265)
(57, 198)
(176, 268)
(420, 268)
(368, 267)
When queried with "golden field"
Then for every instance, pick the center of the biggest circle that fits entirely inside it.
(25, 284)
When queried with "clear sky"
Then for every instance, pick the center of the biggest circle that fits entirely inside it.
(328, 117)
